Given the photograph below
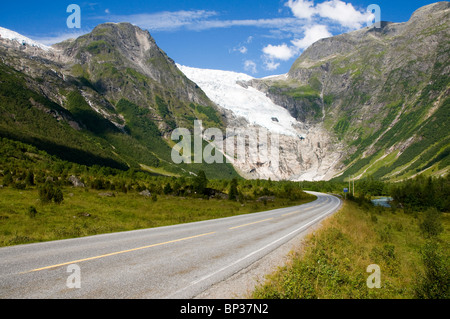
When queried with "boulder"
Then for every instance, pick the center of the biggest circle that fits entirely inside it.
(76, 182)
(146, 193)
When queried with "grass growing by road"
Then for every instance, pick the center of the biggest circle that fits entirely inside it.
(25, 219)
(332, 263)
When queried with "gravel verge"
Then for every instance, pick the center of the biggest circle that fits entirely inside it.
(242, 284)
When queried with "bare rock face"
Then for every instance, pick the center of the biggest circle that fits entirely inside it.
(313, 157)
(76, 182)
(146, 193)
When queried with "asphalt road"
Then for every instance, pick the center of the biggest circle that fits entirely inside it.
(174, 262)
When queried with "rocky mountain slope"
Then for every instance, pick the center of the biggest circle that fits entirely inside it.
(383, 93)
(111, 97)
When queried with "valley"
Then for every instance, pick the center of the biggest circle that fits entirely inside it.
(348, 106)
(106, 136)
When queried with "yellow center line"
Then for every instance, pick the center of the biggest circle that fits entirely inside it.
(298, 212)
(301, 211)
(117, 253)
(251, 223)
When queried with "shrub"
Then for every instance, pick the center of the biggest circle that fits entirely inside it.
(385, 234)
(200, 183)
(32, 212)
(233, 190)
(98, 184)
(167, 189)
(7, 179)
(435, 283)
(58, 196)
(431, 225)
(49, 192)
(29, 179)
(46, 193)
(20, 186)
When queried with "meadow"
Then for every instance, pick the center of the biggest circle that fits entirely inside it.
(24, 218)
(332, 263)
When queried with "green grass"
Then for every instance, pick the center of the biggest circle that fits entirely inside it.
(376, 162)
(85, 213)
(334, 260)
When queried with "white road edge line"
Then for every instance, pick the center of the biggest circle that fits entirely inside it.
(259, 250)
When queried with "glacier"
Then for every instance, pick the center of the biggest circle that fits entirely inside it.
(228, 90)
(14, 36)
(306, 152)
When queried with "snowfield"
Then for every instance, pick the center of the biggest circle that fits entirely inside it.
(227, 89)
(14, 36)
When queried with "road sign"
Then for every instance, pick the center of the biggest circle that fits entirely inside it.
(345, 190)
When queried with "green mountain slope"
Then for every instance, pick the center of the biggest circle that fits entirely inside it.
(382, 93)
(110, 98)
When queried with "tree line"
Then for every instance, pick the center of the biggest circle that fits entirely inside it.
(23, 166)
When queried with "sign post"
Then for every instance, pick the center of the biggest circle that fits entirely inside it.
(345, 192)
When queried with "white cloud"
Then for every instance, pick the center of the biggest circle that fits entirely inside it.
(338, 11)
(335, 10)
(250, 66)
(243, 49)
(312, 35)
(60, 37)
(284, 52)
(314, 21)
(343, 13)
(164, 21)
(279, 52)
(302, 9)
(259, 23)
(270, 65)
(196, 20)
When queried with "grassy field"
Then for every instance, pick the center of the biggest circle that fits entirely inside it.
(332, 263)
(87, 212)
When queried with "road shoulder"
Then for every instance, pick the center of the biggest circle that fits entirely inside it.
(241, 284)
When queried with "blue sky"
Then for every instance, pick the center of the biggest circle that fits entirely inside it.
(257, 37)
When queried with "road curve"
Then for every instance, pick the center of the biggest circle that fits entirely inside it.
(174, 262)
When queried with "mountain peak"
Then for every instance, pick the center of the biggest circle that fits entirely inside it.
(123, 35)
(123, 43)
(121, 57)
(122, 28)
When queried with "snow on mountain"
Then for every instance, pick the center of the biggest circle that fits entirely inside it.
(14, 36)
(228, 90)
